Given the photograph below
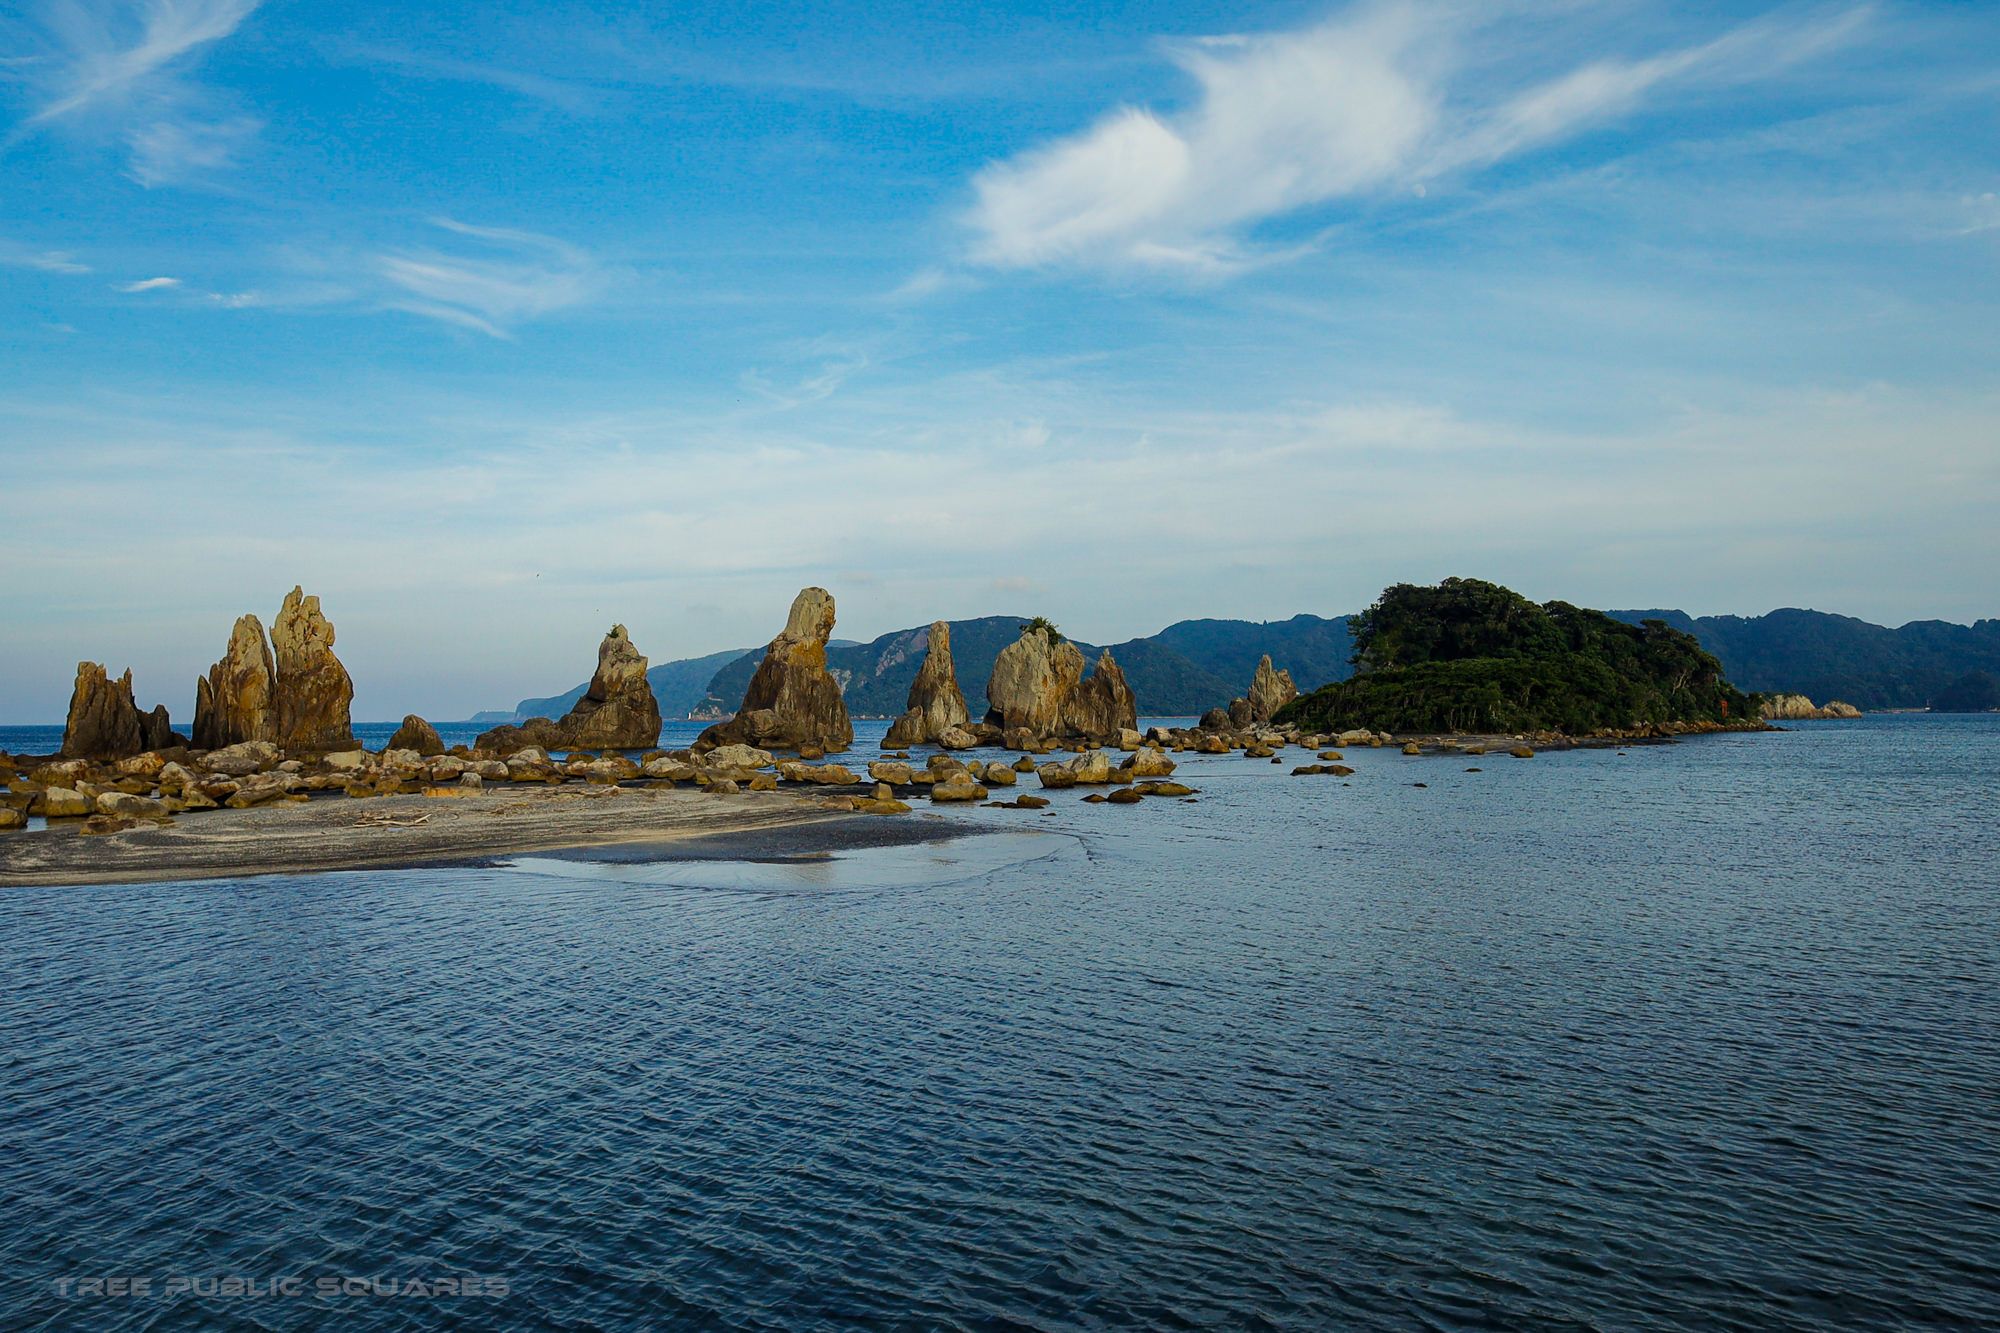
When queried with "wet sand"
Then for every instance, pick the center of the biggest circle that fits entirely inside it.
(340, 834)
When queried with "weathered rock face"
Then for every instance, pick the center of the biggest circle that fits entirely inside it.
(1270, 690)
(936, 704)
(156, 730)
(1794, 707)
(235, 701)
(1032, 679)
(313, 690)
(418, 735)
(103, 721)
(792, 701)
(1038, 692)
(1101, 706)
(618, 710)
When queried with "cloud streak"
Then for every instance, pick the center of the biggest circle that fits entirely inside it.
(107, 61)
(1377, 100)
(496, 280)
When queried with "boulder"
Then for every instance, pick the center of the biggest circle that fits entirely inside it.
(737, 756)
(61, 803)
(103, 720)
(1216, 719)
(1148, 762)
(139, 807)
(885, 770)
(10, 818)
(313, 692)
(416, 734)
(667, 769)
(1270, 690)
(242, 759)
(617, 710)
(236, 700)
(936, 706)
(508, 738)
(793, 701)
(958, 787)
(1000, 775)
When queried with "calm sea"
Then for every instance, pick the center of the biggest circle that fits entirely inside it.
(1696, 1036)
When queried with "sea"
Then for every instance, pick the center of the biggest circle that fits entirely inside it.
(1703, 1035)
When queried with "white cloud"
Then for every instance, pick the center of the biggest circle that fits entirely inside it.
(107, 59)
(13, 255)
(501, 279)
(150, 285)
(1378, 99)
(169, 151)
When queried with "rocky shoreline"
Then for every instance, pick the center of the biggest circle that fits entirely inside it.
(274, 774)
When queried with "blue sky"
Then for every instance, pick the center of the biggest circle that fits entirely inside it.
(491, 323)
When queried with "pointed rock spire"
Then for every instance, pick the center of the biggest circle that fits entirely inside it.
(936, 705)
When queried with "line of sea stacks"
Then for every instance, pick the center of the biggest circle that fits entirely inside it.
(272, 724)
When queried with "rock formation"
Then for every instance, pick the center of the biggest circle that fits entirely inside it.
(1101, 705)
(1794, 707)
(233, 703)
(936, 705)
(156, 730)
(1032, 678)
(618, 710)
(1270, 690)
(314, 691)
(1038, 692)
(419, 735)
(103, 720)
(792, 700)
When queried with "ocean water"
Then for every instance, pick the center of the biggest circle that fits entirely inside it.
(1686, 1037)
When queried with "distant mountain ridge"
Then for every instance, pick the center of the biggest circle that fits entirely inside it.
(1828, 656)
(1194, 665)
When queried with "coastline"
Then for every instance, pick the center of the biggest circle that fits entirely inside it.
(381, 834)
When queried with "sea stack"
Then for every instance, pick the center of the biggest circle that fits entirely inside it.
(936, 706)
(233, 703)
(1037, 692)
(314, 691)
(793, 700)
(617, 710)
(1270, 690)
(104, 722)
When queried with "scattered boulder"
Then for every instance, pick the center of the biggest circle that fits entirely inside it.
(958, 787)
(103, 720)
(418, 735)
(10, 818)
(878, 806)
(1147, 762)
(242, 759)
(1522, 752)
(738, 756)
(1126, 796)
(124, 803)
(61, 803)
(886, 770)
(792, 700)
(236, 700)
(617, 710)
(936, 706)
(313, 692)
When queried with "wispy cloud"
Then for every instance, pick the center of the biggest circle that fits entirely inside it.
(150, 285)
(167, 151)
(496, 279)
(1377, 100)
(108, 58)
(15, 255)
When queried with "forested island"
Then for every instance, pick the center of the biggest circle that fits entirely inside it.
(1467, 656)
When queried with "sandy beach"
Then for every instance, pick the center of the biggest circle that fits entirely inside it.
(339, 834)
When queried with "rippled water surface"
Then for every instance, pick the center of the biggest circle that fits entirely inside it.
(1695, 1036)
